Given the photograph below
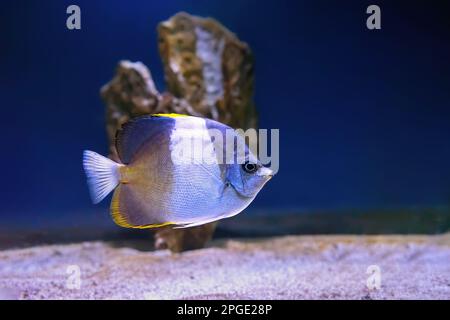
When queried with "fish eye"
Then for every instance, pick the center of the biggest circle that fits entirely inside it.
(249, 167)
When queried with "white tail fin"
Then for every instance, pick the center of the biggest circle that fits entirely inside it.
(102, 175)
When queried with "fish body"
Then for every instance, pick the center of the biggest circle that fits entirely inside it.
(173, 172)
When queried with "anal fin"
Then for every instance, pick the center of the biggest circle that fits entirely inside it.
(127, 212)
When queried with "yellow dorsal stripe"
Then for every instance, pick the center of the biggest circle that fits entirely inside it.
(169, 115)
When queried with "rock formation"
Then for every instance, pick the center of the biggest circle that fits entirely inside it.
(208, 73)
(208, 66)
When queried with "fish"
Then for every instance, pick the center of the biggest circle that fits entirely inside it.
(161, 180)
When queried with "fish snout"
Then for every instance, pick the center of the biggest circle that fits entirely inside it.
(265, 172)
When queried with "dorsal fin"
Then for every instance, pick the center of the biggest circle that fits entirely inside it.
(133, 134)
